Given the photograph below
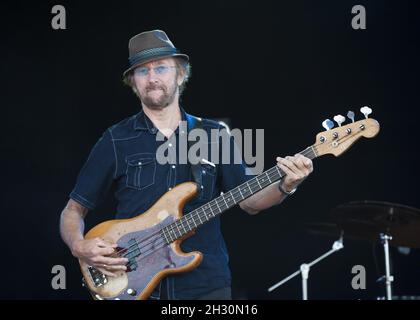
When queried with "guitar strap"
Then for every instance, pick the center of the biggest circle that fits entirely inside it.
(194, 123)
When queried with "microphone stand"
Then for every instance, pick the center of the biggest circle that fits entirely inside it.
(304, 269)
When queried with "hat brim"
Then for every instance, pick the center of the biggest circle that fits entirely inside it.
(156, 57)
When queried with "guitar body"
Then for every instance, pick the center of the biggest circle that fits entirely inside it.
(151, 259)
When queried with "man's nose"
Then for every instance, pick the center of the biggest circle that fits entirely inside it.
(151, 75)
(152, 79)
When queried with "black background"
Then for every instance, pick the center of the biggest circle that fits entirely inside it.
(280, 66)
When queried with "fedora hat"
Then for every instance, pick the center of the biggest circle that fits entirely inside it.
(148, 46)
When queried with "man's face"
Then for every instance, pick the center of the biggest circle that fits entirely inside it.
(157, 82)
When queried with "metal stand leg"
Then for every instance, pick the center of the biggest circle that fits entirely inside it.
(388, 278)
(304, 270)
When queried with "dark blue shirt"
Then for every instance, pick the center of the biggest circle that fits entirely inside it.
(115, 160)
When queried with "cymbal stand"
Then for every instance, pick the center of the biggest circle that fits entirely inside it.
(304, 270)
(388, 277)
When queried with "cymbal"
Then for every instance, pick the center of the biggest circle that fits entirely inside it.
(329, 229)
(368, 219)
(323, 228)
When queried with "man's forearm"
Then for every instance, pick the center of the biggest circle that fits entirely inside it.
(72, 225)
(263, 199)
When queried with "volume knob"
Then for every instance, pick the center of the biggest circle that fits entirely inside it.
(131, 292)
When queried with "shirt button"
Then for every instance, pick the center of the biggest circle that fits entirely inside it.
(203, 171)
(173, 166)
(169, 189)
(170, 144)
(139, 163)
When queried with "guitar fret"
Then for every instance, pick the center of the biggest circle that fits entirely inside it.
(234, 198)
(258, 182)
(279, 171)
(171, 232)
(268, 177)
(205, 214)
(249, 187)
(241, 193)
(225, 202)
(182, 224)
(164, 234)
(208, 214)
(177, 230)
(212, 209)
(193, 221)
(218, 206)
(199, 218)
(226, 197)
(169, 236)
(313, 152)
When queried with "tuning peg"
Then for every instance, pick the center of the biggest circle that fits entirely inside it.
(328, 124)
(350, 115)
(366, 111)
(339, 119)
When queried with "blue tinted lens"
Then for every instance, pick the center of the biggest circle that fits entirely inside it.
(161, 69)
(142, 71)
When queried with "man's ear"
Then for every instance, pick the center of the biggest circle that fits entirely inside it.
(180, 78)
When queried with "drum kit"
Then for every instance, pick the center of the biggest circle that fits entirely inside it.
(388, 224)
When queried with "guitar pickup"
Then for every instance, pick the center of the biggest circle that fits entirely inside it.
(132, 252)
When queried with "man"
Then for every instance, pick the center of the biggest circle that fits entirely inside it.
(126, 157)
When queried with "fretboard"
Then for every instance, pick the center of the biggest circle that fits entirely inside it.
(215, 207)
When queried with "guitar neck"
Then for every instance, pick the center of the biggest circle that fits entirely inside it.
(215, 207)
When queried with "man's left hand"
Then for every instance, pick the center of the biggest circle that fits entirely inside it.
(297, 169)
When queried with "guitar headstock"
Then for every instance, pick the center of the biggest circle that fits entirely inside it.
(337, 140)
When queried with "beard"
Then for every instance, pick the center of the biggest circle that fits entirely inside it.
(158, 96)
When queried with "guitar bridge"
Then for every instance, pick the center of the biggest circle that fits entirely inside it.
(98, 278)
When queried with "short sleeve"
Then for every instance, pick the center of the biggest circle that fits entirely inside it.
(97, 174)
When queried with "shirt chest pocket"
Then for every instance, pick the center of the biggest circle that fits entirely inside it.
(141, 171)
(208, 180)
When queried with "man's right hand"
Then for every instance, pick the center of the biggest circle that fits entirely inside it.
(95, 252)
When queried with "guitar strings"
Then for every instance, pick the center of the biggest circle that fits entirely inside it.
(195, 214)
(159, 240)
(305, 152)
(157, 235)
